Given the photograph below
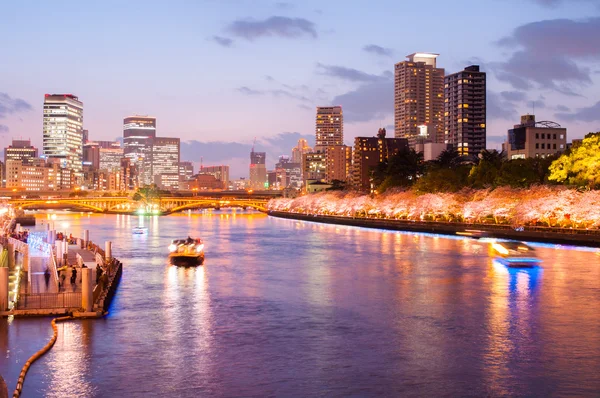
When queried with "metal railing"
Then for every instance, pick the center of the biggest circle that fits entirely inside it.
(40, 301)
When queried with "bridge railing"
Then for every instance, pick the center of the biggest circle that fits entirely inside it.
(41, 301)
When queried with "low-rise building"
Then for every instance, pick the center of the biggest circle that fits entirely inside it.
(535, 139)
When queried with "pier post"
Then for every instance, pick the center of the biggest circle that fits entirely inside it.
(87, 289)
(3, 288)
(86, 237)
(11, 256)
(18, 227)
(107, 250)
(49, 237)
(59, 253)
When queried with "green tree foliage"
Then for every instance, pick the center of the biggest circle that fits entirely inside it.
(401, 170)
(484, 174)
(147, 195)
(337, 185)
(438, 179)
(581, 166)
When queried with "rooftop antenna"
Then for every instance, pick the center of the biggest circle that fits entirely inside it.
(201, 167)
(533, 108)
(254, 143)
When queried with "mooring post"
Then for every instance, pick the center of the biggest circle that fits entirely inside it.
(87, 290)
(107, 250)
(3, 288)
(86, 237)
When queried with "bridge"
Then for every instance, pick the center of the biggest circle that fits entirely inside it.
(162, 205)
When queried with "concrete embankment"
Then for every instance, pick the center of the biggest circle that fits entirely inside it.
(533, 234)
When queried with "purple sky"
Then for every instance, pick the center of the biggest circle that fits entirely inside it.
(218, 73)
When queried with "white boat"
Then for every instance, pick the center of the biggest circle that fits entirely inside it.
(188, 251)
(516, 254)
(140, 230)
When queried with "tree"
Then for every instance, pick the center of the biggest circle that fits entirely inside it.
(484, 174)
(401, 170)
(337, 185)
(581, 166)
(438, 179)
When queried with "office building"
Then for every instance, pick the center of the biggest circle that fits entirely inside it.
(258, 170)
(110, 158)
(535, 139)
(314, 167)
(329, 126)
(299, 150)
(418, 97)
(186, 171)
(287, 174)
(63, 131)
(369, 152)
(465, 110)
(165, 162)
(221, 173)
(138, 134)
(21, 150)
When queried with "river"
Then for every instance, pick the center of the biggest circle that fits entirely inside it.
(297, 309)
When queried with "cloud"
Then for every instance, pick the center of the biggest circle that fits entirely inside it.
(284, 6)
(276, 93)
(547, 54)
(350, 74)
(222, 41)
(371, 101)
(3, 128)
(276, 26)
(499, 108)
(589, 114)
(378, 50)
(9, 105)
(237, 155)
(562, 108)
(513, 95)
(555, 3)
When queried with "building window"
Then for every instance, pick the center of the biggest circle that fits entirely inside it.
(562, 137)
(543, 136)
(537, 145)
(554, 136)
(554, 146)
(543, 146)
(537, 135)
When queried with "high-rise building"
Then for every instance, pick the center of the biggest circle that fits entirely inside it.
(329, 126)
(221, 173)
(535, 139)
(63, 131)
(418, 97)
(110, 159)
(258, 170)
(299, 150)
(369, 152)
(465, 110)
(314, 167)
(21, 150)
(338, 160)
(186, 171)
(165, 162)
(138, 133)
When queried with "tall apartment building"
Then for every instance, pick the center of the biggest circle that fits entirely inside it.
(165, 162)
(63, 131)
(535, 139)
(299, 150)
(369, 152)
(338, 160)
(465, 110)
(418, 97)
(110, 158)
(221, 173)
(258, 169)
(138, 134)
(329, 126)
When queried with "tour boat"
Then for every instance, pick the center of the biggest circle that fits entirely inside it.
(140, 230)
(515, 254)
(188, 251)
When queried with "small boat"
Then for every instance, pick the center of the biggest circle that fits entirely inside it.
(515, 254)
(188, 251)
(140, 230)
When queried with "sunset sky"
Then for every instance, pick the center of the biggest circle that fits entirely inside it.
(218, 73)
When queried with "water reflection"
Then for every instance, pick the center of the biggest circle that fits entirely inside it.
(289, 308)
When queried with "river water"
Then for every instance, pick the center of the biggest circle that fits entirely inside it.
(297, 309)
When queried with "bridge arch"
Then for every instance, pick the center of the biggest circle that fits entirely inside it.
(46, 203)
(211, 203)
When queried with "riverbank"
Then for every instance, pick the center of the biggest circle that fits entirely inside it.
(563, 236)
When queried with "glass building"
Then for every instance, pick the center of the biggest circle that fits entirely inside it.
(63, 132)
(138, 134)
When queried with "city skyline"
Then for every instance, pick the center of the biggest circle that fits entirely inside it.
(323, 62)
